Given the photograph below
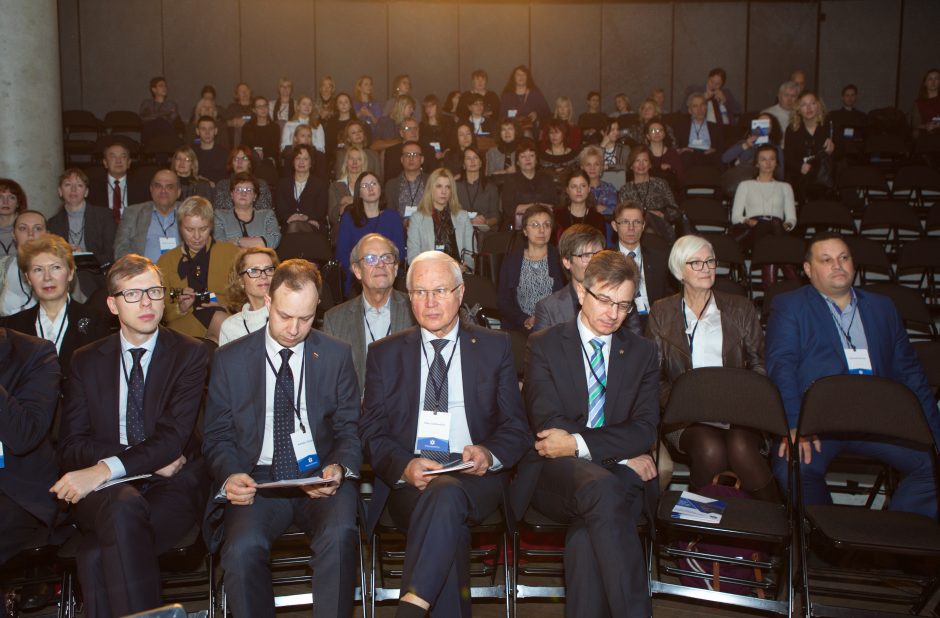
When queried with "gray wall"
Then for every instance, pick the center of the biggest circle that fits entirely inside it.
(110, 49)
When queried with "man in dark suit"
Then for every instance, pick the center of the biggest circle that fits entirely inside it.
(655, 280)
(410, 131)
(405, 190)
(263, 425)
(577, 246)
(380, 310)
(830, 328)
(131, 410)
(29, 392)
(116, 190)
(698, 140)
(438, 393)
(591, 391)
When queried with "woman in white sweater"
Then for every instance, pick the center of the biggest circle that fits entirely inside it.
(762, 207)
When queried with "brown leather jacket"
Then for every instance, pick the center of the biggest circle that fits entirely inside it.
(742, 344)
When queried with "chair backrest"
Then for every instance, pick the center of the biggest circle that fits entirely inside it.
(728, 395)
(480, 290)
(869, 405)
(917, 254)
(908, 301)
(778, 250)
(781, 287)
(311, 246)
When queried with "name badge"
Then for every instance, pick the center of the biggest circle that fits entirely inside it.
(511, 113)
(642, 305)
(305, 450)
(167, 244)
(858, 361)
(2, 464)
(848, 132)
(438, 247)
(433, 431)
(698, 144)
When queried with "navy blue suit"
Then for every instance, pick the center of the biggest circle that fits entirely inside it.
(803, 344)
(436, 519)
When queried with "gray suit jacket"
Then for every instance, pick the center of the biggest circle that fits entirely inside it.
(345, 323)
(563, 306)
(131, 236)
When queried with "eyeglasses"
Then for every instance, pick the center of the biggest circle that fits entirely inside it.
(256, 272)
(373, 260)
(8, 198)
(657, 131)
(369, 185)
(436, 294)
(244, 189)
(411, 155)
(697, 265)
(625, 307)
(242, 158)
(535, 225)
(184, 160)
(587, 255)
(134, 295)
(632, 222)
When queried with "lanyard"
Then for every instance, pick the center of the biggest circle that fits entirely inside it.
(6, 248)
(440, 387)
(603, 382)
(845, 332)
(26, 289)
(472, 196)
(65, 321)
(389, 332)
(169, 226)
(245, 322)
(698, 130)
(300, 389)
(698, 321)
(413, 195)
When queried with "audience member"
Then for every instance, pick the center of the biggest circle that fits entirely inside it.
(116, 191)
(666, 162)
(356, 133)
(341, 190)
(633, 128)
(439, 223)
(925, 115)
(526, 187)
(722, 108)
(591, 161)
(149, 228)
(15, 292)
(576, 247)
(238, 112)
(592, 121)
(244, 225)
(564, 111)
(491, 103)
(654, 196)
(744, 152)
(367, 109)
(241, 161)
(577, 204)
(614, 148)
(557, 158)
(434, 128)
(698, 140)
(463, 138)
(408, 131)
(389, 126)
(304, 113)
(335, 126)
(476, 116)
(87, 228)
(808, 148)
(325, 104)
(212, 156)
(159, 115)
(207, 107)
(186, 165)
(249, 283)
(284, 106)
(786, 103)
(261, 134)
(12, 201)
(302, 202)
(501, 158)
(404, 192)
(476, 194)
(523, 101)
(798, 77)
(401, 87)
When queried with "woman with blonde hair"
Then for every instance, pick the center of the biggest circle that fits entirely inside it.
(401, 109)
(366, 107)
(808, 148)
(305, 114)
(355, 162)
(440, 223)
(186, 165)
(325, 105)
(283, 108)
(249, 282)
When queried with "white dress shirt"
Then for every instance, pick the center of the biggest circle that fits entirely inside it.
(377, 323)
(587, 351)
(123, 183)
(641, 286)
(52, 330)
(273, 350)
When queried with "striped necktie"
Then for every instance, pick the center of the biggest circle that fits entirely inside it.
(597, 386)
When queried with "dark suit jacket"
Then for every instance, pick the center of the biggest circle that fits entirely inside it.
(803, 345)
(99, 231)
(511, 315)
(390, 409)
(556, 397)
(345, 322)
(659, 281)
(234, 427)
(29, 392)
(563, 306)
(83, 328)
(99, 193)
(90, 428)
(313, 202)
(684, 125)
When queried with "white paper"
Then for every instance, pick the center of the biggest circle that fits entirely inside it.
(125, 479)
(410, 210)
(456, 467)
(313, 480)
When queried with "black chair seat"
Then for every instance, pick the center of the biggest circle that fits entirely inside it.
(860, 528)
(743, 518)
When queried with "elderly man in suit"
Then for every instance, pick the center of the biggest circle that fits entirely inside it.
(131, 410)
(29, 392)
(439, 393)
(380, 310)
(284, 405)
(830, 328)
(577, 246)
(592, 394)
(116, 190)
(150, 228)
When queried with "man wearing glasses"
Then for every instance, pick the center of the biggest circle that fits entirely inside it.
(130, 411)
(592, 394)
(149, 228)
(440, 393)
(380, 310)
(577, 246)
(404, 191)
(655, 281)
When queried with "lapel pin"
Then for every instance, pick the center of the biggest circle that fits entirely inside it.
(621, 351)
(473, 340)
(317, 354)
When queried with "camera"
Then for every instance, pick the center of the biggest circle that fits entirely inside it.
(200, 298)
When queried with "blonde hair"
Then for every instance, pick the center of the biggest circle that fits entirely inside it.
(563, 100)
(343, 173)
(236, 290)
(796, 121)
(314, 120)
(47, 243)
(193, 160)
(358, 90)
(426, 205)
(195, 206)
(397, 112)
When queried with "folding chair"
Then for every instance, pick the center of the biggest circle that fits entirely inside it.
(748, 399)
(919, 267)
(777, 252)
(858, 184)
(892, 223)
(911, 306)
(781, 287)
(159, 149)
(80, 132)
(919, 185)
(707, 215)
(703, 181)
(481, 299)
(39, 553)
(870, 259)
(123, 122)
(822, 215)
(492, 250)
(856, 405)
(887, 151)
(730, 258)
(932, 224)
(929, 354)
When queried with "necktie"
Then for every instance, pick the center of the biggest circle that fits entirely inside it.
(116, 201)
(284, 462)
(135, 400)
(597, 386)
(632, 255)
(435, 393)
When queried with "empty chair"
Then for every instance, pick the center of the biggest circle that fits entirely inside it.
(871, 261)
(929, 354)
(919, 185)
(891, 222)
(480, 298)
(706, 214)
(887, 151)
(859, 184)
(911, 306)
(823, 215)
(492, 250)
(932, 224)
(123, 122)
(159, 148)
(919, 266)
(703, 180)
(777, 253)
(80, 131)
(730, 258)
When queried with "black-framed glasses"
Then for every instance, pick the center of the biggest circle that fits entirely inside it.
(410, 155)
(134, 295)
(436, 294)
(631, 222)
(625, 307)
(697, 265)
(373, 260)
(587, 255)
(255, 272)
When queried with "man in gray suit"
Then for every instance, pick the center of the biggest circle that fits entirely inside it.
(380, 310)
(149, 228)
(577, 246)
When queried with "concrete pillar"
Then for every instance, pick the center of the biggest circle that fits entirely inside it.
(31, 100)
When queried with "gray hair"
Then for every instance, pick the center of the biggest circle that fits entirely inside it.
(686, 247)
(435, 256)
(355, 254)
(787, 85)
(688, 100)
(588, 151)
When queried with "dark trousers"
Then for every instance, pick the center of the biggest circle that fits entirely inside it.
(916, 493)
(18, 528)
(125, 528)
(330, 525)
(605, 569)
(437, 523)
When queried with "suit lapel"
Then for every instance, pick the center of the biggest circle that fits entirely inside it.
(255, 381)
(468, 366)
(108, 369)
(312, 377)
(158, 378)
(574, 355)
(411, 359)
(615, 378)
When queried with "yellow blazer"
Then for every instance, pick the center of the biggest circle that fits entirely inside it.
(221, 258)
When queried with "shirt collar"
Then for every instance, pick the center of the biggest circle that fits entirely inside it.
(853, 302)
(427, 336)
(122, 180)
(274, 348)
(587, 335)
(638, 251)
(148, 345)
(381, 310)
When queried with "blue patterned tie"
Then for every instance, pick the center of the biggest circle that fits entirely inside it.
(435, 393)
(597, 386)
(284, 461)
(135, 400)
